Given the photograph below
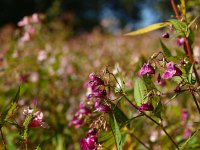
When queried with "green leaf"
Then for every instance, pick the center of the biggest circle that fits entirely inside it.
(11, 110)
(165, 49)
(148, 83)
(139, 91)
(148, 29)
(180, 27)
(116, 132)
(193, 142)
(121, 82)
(190, 78)
(157, 111)
(120, 116)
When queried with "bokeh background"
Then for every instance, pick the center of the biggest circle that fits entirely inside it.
(73, 39)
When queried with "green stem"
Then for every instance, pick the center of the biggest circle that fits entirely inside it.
(150, 118)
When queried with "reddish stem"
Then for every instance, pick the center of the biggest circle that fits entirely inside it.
(175, 9)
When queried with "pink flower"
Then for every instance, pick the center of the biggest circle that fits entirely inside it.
(35, 18)
(101, 107)
(180, 41)
(37, 120)
(25, 21)
(184, 114)
(171, 71)
(187, 133)
(146, 69)
(146, 107)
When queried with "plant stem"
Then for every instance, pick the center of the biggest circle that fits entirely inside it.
(175, 9)
(150, 118)
(3, 139)
(139, 140)
(196, 102)
(187, 44)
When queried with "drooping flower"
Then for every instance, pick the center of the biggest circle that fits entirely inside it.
(146, 107)
(171, 71)
(180, 41)
(146, 69)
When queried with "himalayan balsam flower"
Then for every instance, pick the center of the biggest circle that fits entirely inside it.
(89, 142)
(171, 71)
(93, 87)
(146, 107)
(180, 41)
(101, 107)
(78, 119)
(146, 69)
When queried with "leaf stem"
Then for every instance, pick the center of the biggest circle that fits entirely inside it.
(196, 102)
(139, 141)
(150, 118)
(175, 9)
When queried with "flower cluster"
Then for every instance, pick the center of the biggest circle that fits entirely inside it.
(170, 71)
(89, 142)
(78, 118)
(28, 24)
(96, 103)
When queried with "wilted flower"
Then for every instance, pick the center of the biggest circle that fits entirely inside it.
(146, 107)
(171, 71)
(146, 69)
(180, 41)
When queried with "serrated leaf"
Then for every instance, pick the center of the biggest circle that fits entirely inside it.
(139, 91)
(148, 28)
(116, 132)
(165, 49)
(180, 27)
